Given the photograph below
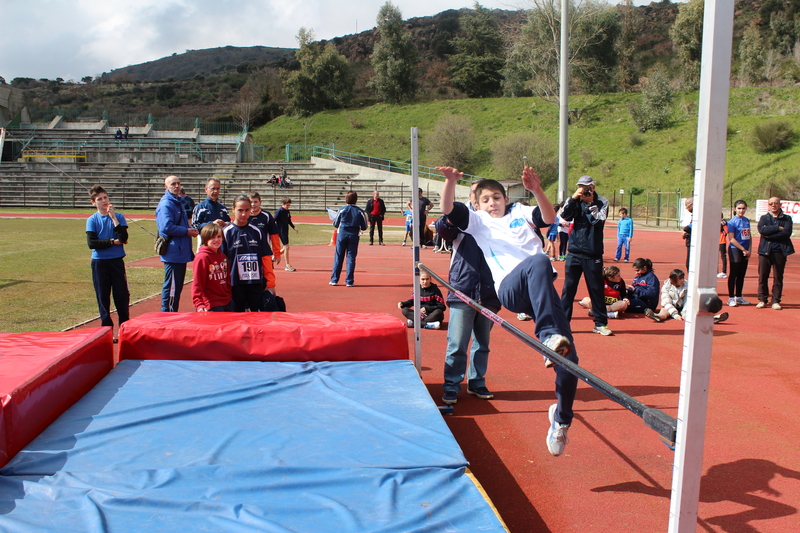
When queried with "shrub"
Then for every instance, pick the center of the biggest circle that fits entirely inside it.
(588, 159)
(453, 140)
(772, 136)
(636, 139)
(655, 109)
(689, 160)
(541, 154)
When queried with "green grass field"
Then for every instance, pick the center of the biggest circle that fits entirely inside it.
(45, 273)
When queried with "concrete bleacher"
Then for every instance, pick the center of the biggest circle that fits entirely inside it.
(63, 160)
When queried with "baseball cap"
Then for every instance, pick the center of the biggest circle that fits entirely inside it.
(585, 180)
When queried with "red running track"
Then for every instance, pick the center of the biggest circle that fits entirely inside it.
(616, 474)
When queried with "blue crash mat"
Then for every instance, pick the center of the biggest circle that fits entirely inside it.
(246, 446)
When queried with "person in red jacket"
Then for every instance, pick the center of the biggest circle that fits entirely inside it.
(211, 285)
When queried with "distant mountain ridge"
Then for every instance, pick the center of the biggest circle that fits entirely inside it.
(198, 62)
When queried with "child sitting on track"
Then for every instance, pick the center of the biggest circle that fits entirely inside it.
(643, 292)
(673, 299)
(523, 275)
(431, 304)
(614, 291)
(211, 284)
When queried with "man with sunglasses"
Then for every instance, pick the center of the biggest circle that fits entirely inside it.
(775, 228)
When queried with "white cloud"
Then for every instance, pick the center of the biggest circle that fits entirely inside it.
(72, 39)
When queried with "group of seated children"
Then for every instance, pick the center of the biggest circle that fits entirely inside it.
(642, 296)
(234, 265)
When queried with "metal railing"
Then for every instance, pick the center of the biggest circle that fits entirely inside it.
(299, 152)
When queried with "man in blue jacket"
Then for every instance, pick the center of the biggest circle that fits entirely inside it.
(173, 224)
(211, 209)
(588, 211)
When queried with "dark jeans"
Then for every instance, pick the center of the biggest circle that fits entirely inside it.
(108, 277)
(247, 296)
(766, 263)
(375, 221)
(738, 263)
(435, 316)
(529, 289)
(174, 274)
(723, 255)
(592, 270)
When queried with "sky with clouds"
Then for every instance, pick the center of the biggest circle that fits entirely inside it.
(71, 39)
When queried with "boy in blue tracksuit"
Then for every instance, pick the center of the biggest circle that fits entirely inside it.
(624, 234)
(349, 221)
(173, 224)
(249, 256)
(106, 234)
(470, 275)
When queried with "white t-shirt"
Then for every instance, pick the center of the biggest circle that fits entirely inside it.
(506, 241)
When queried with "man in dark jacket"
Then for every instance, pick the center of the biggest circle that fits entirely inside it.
(375, 210)
(173, 224)
(775, 228)
(587, 211)
(469, 274)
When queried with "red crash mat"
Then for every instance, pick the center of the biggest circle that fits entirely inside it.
(285, 337)
(42, 374)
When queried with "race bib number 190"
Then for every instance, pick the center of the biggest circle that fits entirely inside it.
(248, 267)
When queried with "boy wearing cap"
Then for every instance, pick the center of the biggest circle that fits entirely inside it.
(588, 211)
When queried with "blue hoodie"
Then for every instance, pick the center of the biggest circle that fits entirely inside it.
(172, 222)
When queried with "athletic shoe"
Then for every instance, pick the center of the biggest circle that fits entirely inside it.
(562, 257)
(350, 285)
(332, 283)
(371, 243)
(649, 313)
(404, 243)
(450, 397)
(289, 268)
(626, 260)
(590, 313)
(722, 275)
(557, 434)
(613, 314)
(559, 344)
(616, 259)
(776, 306)
(481, 392)
(741, 301)
(602, 330)
(410, 323)
(523, 317)
(433, 325)
(732, 302)
(722, 317)
(381, 243)
(761, 305)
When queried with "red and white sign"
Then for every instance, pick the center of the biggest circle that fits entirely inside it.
(790, 207)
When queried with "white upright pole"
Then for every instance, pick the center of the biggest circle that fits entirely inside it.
(712, 128)
(563, 115)
(416, 244)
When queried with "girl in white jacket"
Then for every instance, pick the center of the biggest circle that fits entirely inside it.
(673, 299)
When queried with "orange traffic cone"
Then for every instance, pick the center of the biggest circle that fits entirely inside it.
(333, 239)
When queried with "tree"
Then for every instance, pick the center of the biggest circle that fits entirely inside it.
(324, 80)
(540, 153)
(626, 48)
(655, 110)
(453, 140)
(687, 35)
(476, 68)
(751, 56)
(535, 50)
(394, 58)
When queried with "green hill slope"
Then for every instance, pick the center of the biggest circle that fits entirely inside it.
(604, 143)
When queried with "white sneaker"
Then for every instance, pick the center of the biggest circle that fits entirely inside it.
(557, 434)
(761, 305)
(559, 344)
(722, 275)
(741, 301)
(602, 330)
(613, 314)
(433, 325)
(410, 323)
(732, 302)
(523, 317)
(776, 306)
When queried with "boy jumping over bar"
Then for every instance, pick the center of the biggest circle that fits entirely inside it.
(523, 275)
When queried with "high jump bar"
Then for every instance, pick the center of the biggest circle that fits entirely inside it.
(657, 420)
